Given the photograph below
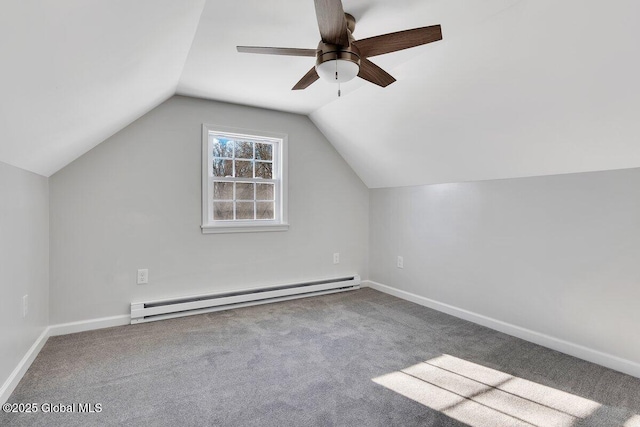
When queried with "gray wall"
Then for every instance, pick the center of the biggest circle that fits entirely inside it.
(24, 263)
(134, 202)
(559, 255)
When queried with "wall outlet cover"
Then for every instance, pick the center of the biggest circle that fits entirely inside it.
(143, 276)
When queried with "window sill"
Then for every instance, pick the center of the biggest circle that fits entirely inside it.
(219, 229)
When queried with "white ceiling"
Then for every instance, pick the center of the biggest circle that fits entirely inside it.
(74, 72)
(516, 88)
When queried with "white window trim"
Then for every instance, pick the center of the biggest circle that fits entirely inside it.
(244, 226)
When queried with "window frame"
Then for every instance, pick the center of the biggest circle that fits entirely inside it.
(279, 162)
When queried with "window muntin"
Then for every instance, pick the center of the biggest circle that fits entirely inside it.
(244, 180)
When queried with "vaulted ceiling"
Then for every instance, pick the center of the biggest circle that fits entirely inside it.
(516, 88)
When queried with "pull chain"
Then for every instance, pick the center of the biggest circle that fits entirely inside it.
(337, 79)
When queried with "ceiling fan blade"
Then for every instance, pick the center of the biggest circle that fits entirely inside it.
(277, 50)
(331, 22)
(393, 42)
(306, 81)
(374, 74)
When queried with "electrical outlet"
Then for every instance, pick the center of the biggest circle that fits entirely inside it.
(25, 306)
(143, 276)
(336, 258)
(400, 262)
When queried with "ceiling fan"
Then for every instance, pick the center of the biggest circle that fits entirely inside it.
(340, 57)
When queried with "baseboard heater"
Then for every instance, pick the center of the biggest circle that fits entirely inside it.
(177, 307)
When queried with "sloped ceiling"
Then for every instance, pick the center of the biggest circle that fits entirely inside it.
(516, 88)
(74, 72)
(536, 88)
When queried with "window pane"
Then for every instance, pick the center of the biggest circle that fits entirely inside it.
(244, 210)
(244, 150)
(244, 169)
(244, 186)
(264, 151)
(263, 170)
(222, 167)
(244, 191)
(223, 190)
(264, 210)
(222, 147)
(264, 191)
(222, 210)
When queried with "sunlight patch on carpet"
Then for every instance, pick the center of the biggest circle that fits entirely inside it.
(481, 396)
(633, 421)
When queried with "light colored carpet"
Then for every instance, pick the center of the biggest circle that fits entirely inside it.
(360, 358)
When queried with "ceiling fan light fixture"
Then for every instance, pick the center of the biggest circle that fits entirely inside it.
(338, 70)
(337, 66)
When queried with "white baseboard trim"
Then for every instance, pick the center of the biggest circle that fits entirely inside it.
(61, 329)
(576, 350)
(89, 325)
(12, 382)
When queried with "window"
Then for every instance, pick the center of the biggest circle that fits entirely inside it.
(244, 184)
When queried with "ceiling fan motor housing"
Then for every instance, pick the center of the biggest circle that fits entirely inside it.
(339, 63)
